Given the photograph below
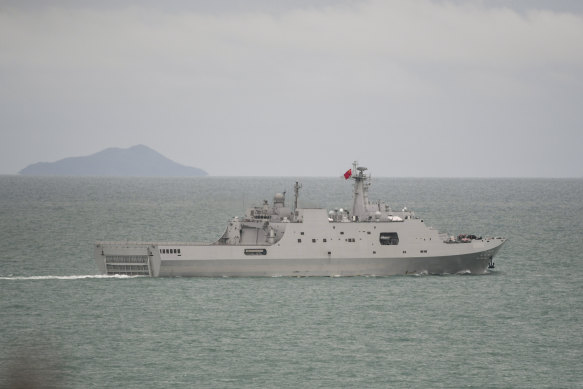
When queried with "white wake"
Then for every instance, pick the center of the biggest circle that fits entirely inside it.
(80, 277)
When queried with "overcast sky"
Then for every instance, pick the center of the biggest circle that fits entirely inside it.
(263, 88)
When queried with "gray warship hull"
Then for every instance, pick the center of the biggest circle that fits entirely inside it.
(137, 259)
(273, 241)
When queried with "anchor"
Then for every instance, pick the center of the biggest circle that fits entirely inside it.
(491, 264)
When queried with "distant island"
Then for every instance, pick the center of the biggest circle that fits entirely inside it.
(136, 161)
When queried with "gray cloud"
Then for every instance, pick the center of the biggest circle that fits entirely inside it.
(424, 88)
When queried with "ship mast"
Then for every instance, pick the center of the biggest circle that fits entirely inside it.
(360, 195)
(297, 188)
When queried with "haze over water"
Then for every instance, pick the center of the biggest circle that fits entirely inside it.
(63, 325)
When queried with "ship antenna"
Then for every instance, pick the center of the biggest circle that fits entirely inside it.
(297, 188)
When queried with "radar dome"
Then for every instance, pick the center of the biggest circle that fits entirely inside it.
(279, 198)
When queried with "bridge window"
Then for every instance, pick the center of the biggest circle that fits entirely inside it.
(389, 238)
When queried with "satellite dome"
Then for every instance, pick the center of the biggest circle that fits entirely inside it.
(279, 198)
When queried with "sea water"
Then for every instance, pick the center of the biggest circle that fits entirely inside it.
(63, 325)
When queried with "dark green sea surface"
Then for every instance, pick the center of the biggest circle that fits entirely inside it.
(62, 325)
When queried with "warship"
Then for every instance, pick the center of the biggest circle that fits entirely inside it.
(274, 240)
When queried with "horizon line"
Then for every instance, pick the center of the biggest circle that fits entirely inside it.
(291, 176)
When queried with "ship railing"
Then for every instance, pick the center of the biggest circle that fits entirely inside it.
(144, 243)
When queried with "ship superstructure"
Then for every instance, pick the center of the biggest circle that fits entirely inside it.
(275, 240)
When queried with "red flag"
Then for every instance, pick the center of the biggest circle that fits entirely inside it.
(348, 174)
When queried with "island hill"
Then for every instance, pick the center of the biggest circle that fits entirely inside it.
(136, 161)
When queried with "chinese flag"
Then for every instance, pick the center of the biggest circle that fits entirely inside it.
(348, 174)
